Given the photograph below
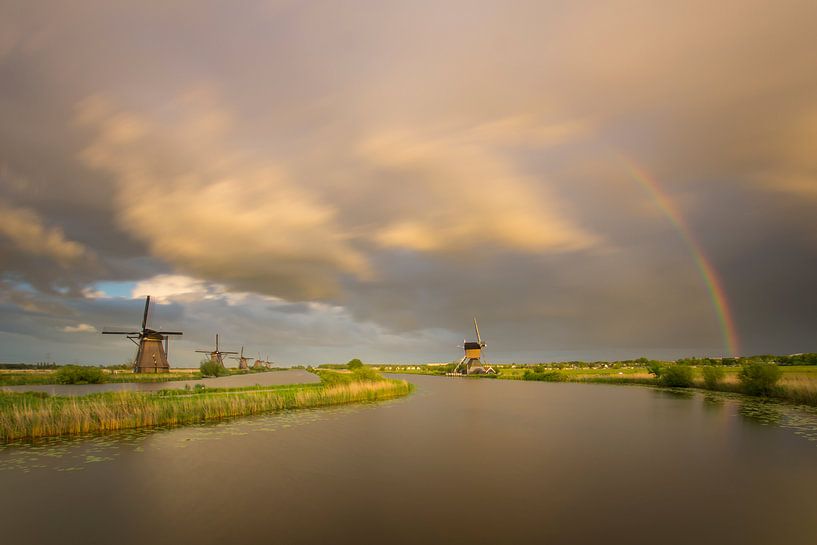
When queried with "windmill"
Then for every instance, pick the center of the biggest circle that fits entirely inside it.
(262, 364)
(471, 363)
(243, 362)
(216, 355)
(151, 356)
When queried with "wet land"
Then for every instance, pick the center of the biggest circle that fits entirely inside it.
(32, 415)
(459, 461)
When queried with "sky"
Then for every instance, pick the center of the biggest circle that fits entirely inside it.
(317, 181)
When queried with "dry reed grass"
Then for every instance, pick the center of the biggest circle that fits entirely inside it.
(31, 416)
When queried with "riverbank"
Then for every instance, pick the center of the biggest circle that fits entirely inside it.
(798, 384)
(791, 389)
(23, 377)
(35, 414)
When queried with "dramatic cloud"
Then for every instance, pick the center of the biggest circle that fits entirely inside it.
(328, 179)
(215, 212)
(24, 229)
(460, 195)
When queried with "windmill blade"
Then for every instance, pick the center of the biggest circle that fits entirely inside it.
(145, 317)
(120, 332)
(476, 327)
(169, 332)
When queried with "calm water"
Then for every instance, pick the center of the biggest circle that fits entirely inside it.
(459, 461)
(294, 376)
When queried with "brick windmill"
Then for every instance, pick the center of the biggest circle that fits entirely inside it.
(243, 361)
(216, 355)
(262, 364)
(151, 356)
(471, 363)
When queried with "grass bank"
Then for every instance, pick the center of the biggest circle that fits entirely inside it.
(797, 385)
(32, 415)
(20, 377)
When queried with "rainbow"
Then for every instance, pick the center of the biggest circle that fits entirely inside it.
(705, 268)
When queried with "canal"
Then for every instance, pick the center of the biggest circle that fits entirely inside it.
(458, 461)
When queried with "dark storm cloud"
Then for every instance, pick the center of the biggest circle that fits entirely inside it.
(361, 177)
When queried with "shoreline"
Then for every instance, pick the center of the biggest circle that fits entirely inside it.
(784, 393)
(38, 377)
(36, 415)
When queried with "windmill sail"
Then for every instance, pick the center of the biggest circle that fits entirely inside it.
(151, 356)
(216, 355)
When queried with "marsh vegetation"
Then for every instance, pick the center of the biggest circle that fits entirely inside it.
(31, 415)
(792, 378)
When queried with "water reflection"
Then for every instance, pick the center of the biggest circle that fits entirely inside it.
(799, 419)
(74, 453)
(461, 461)
(713, 402)
(675, 393)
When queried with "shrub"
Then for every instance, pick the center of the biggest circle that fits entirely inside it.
(212, 368)
(547, 376)
(443, 369)
(79, 374)
(654, 368)
(676, 376)
(713, 374)
(760, 378)
(366, 373)
(354, 364)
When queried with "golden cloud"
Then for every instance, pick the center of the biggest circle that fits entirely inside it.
(26, 230)
(462, 193)
(215, 213)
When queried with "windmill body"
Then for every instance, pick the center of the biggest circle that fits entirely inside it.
(243, 361)
(472, 362)
(262, 364)
(151, 354)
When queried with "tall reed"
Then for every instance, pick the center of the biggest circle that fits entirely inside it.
(29, 416)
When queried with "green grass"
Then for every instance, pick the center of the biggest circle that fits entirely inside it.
(34, 414)
(798, 385)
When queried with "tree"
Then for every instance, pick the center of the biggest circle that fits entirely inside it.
(212, 368)
(354, 364)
